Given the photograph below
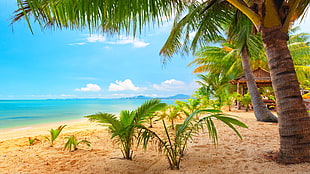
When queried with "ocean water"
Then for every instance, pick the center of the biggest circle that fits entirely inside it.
(19, 113)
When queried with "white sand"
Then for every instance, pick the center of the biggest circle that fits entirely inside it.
(232, 155)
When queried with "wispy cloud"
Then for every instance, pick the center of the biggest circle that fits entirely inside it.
(107, 47)
(95, 38)
(80, 43)
(169, 85)
(173, 85)
(137, 43)
(90, 87)
(125, 85)
(121, 40)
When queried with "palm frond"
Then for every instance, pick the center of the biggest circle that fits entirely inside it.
(196, 28)
(112, 16)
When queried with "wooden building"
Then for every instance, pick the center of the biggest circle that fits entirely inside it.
(262, 79)
(261, 76)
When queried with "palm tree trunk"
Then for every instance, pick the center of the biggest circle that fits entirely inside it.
(262, 113)
(294, 121)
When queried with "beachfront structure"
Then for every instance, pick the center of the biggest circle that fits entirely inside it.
(262, 79)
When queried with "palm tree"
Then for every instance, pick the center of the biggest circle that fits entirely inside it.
(249, 45)
(124, 127)
(216, 86)
(299, 46)
(225, 61)
(273, 18)
(270, 17)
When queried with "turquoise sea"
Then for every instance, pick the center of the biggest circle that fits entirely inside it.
(19, 113)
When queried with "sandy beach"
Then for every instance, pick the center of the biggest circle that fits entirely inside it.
(232, 155)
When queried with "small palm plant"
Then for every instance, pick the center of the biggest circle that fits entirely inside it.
(123, 129)
(72, 143)
(171, 113)
(150, 119)
(32, 141)
(189, 106)
(54, 134)
(174, 143)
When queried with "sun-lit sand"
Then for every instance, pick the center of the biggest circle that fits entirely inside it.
(232, 155)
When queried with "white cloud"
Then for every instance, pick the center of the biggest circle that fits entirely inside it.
(81, 43)
(90, 87)
(96, 38)
(169, 85)
(122, 86)
(130, 40)
(122, 40)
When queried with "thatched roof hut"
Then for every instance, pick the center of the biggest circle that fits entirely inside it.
(261, 76)
(262, 79)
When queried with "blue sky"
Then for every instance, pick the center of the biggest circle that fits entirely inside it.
(74, 64)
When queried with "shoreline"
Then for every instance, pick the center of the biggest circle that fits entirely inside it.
(38, 129)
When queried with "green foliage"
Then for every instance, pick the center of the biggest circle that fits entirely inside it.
(123, 129)
(174, 144)
(246, 100)
(54, 134)
(189, 106)
(150, 119)
(216, 86)
(72, 143)
(32, 141)
(96, 15)
(231, 98)
(171, 113)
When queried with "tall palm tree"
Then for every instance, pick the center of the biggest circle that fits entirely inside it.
(241, 34)
(226, 61)
(270, 17)
(273, 18)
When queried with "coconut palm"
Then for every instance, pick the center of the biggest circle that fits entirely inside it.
(123, 129)
(270, 17)
(299, 46)
(240, 32)
(273, 19)
(226, 60)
